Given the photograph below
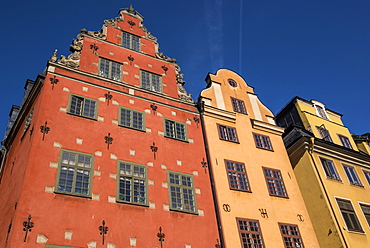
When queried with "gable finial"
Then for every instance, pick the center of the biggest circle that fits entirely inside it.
(131, 9)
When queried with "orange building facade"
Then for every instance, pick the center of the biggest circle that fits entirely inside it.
(109, 137)
(258, 198)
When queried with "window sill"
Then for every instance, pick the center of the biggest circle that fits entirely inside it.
(132, 203)
(266, 149)
(334, 180)
(186, 141)
(141, 130)
(280, 196)
(236, 142)
(74, 195)
(183, 211)
(89, 118)
(241, 190)
(357, 185)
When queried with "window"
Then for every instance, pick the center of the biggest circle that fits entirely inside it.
(28, 122)
(227, 133)
(324, 133)
(250, 233)
(291, 236)
(131, 118)
(366, 210)
(174, 129)
(320, 111)
(74, 174)
(132, 184)
(131, 41)
(262, 141)
(150, 81)
(275, 182)
(238, 105)
(352, 175)
(345, 141)
(110, 69)
(82, 106)
(329, 169)
(181, 190)
(367, 175)
(237, 176)
(349, 215)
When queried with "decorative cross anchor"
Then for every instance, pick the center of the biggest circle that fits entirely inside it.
(7, 234)
(53, 81)
(263, 212)
(300, 217)
(28, 225)
(131, 59)
(108, 140)
(154, 149)
(204, 165)
(44, 129)
(196, 120)
(165, 68)
(161, 236)
(131, 23)
(94, 47)
(218, 244)
(103, 229)
(153, 107)
(108, 96)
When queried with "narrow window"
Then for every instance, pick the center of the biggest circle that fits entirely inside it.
(151, 81)
(250, 233)
(74, 173)
(367, 175)
(82, 106)
(320, 112)
(237, 175)
(131, 118)
(174, 129)
(330, 169)
(345, 141)
(238, 105)
(110, 69)
(275, 183)
(227, 133)
(352, 175)
(324, 133)
(132, 184)
(131, 41)
(291, 236)
(181, 190)
(349, 215)
(366, 210)
(262, 141)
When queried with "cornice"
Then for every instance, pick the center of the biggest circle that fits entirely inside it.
(217, 113)
(267, 127)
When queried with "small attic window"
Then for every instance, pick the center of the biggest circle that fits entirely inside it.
(232, 82)
(320, 111)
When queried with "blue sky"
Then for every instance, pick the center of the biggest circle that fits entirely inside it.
(315, 49)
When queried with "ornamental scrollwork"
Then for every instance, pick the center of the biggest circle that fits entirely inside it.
(183, 95)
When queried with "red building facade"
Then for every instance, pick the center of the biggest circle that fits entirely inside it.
(107, 150)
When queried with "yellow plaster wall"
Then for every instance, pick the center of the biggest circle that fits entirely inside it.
(245, 204)
(334, 125)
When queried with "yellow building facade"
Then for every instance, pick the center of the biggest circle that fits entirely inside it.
(256, 192)
(333, 174)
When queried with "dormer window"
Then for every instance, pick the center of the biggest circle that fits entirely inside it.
(131, 41)
(320, 111)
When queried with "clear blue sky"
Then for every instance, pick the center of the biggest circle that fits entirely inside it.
(315, 49)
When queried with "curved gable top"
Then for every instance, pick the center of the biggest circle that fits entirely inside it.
(226, 87)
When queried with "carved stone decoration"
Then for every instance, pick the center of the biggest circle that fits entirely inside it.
(165, 58)
(73, 60)
(112, 22)
(54, 57)
(98, 35)
(183, 95)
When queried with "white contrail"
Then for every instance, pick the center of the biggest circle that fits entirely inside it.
(213, 18)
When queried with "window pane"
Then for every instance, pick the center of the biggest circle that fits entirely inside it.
(181, 192)
(132, 183)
